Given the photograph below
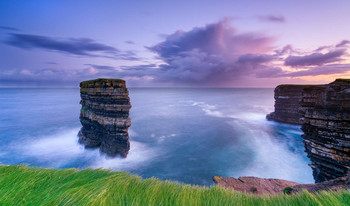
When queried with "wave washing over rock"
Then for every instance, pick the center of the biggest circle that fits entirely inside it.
(105, 116)
(324, 112)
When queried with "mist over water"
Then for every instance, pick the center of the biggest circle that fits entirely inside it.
(187, 135)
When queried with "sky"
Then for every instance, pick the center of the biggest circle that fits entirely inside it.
(182, 43)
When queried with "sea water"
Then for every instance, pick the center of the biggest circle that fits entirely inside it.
(185, 135)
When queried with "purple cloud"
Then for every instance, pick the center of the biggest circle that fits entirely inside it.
(315, 59)
(215, 53)
(343, 43)
(272, 18)
(75, 46)
(324, 70)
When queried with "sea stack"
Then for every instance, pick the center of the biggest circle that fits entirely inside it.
(325, 113)
(105, 116)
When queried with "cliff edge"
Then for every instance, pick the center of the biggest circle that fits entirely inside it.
(324, 113)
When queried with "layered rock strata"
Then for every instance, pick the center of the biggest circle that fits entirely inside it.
(105, 116)
(287, 104)
(325, 111)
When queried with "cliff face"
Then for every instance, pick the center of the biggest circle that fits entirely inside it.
(326, 126)
(287, 104)
(105, 116)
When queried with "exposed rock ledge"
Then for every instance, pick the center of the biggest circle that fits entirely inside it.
(105, 116)
(259, 186)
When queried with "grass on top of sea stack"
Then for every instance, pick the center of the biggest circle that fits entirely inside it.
(22, 185)
(103, 83)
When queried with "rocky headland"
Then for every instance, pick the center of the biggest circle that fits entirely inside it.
(324, 113)
(105, 116)
(287, 104)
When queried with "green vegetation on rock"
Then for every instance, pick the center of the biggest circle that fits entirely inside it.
(103, 83)
(22, 185)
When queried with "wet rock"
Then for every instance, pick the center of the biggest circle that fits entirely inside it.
(105, 116)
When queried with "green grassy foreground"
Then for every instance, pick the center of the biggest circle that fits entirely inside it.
(22, 185)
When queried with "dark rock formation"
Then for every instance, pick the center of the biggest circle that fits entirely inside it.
(261, 186)
(254, 185)
(287, 104)
(324, 112)
(326, 126)
(105, 116)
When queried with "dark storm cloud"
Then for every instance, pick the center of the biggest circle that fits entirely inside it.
(315, 59)
(216, 53)
(75, 46)
(272, 18)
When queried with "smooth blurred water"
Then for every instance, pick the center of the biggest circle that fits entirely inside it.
(187, 135)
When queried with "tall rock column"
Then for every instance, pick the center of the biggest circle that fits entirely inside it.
(105, 116)
(326, 125)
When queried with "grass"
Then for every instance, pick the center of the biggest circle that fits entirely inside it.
(102, 83)
(22, 185)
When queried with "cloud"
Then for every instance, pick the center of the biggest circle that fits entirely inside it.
(8, 28)
(324, 70)
(215, 53)
(52, 63)
(75, 46)
(315, 59)
(343, 43)
(129, 42)
(272, 18)
(103, 67)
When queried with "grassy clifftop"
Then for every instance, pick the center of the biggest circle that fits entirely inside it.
(21, 185)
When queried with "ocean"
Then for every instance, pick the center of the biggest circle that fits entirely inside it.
(184, 135)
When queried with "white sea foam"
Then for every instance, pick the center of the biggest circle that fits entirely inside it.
(210, 110)
(60, 149)
(273, 159)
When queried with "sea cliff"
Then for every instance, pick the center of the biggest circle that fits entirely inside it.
(287, 104)
(105, 116)
(324, 113)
